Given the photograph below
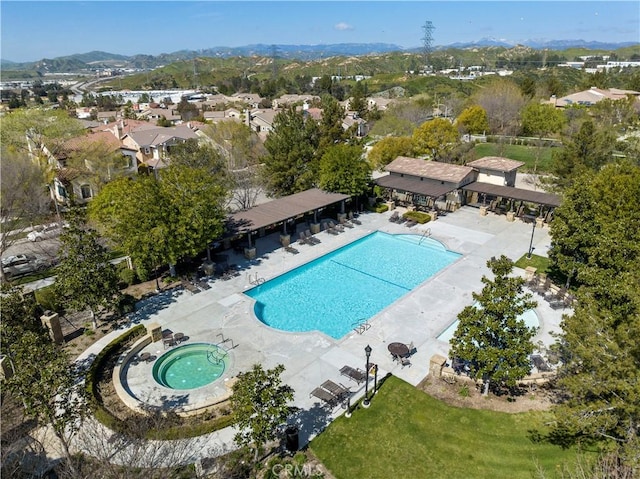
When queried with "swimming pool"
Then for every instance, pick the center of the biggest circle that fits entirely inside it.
(190, 366)
(530, 318)
(333, 293)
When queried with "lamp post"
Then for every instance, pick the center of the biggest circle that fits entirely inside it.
(531, 242)
(365, 403)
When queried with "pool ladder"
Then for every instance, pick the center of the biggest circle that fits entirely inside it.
(426, 234)
(361, 326)
(255, 280)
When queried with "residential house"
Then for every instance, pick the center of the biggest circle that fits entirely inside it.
(154, 114)
(153, 145)
(496, 170)
(80, 181)
(230, 114)
(592, 96)
(293, 99)
(261, 121)
(353, 121)
(252, 100)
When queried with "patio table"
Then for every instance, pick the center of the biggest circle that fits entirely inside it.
(398, 349)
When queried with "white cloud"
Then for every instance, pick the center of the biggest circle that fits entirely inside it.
(343, 26)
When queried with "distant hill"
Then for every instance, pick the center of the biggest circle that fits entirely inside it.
(95, 60)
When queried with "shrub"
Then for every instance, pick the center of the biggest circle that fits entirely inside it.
(126, 305)
(417, 216)
(127, 276)
(380, 208)
(46, 298)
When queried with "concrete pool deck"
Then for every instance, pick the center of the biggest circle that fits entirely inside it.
(311, 358)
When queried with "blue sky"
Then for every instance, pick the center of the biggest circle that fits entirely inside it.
(34, 30)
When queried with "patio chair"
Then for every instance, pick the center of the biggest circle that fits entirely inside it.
(410, 223)
(302, 239)
(411, 347)
(324, 396)
(291, 249)
(311, 238)
(405, 362)
(394, 217)
(355, 374)
(338, 390)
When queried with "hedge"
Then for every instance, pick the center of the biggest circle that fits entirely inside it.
(417, 216)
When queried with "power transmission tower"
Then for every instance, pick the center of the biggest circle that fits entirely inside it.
(274, 61)
(427, 41)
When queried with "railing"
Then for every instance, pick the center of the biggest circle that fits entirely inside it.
(426, 234)
(255, 280)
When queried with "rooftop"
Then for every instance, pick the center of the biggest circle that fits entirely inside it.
(429, 169)
(496, 163)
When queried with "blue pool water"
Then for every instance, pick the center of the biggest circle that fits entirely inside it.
(190, 366)
(530, 318)
(349, 285)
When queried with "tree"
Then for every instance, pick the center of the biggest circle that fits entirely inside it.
(390, 124)
(473, 120)
(388, 149)
(358, 100)
(237, 143)
(490, 336)
(502, 100)
(30, 130)
(343, 170)
(331, 131)
(48, 385)
(85, 277)
(98, 162)
(541, 120)
(23, 197)
(166, 219)
(596, 242)
(260, 405)
(588, 149)
(435, 138)
(291, 164)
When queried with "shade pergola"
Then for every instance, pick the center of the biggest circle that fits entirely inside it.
(510, 192)
(413, 185)
(281, 210)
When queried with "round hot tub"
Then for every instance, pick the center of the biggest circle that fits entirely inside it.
(190, 366)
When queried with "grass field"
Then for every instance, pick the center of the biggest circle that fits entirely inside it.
(527, 154)
(541, 263)
(407, 433)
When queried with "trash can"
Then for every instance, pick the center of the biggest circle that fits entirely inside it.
(291, 435)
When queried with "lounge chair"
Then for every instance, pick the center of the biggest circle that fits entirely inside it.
(291, 249)
(345, 223)
(540, 364)
(325, 396)
(202, 284)
(310, 238)
(357, 375)
(543, 286)
(330, 229)
(338, 390)
(302, 239)
(336, 227)
(394, 217)
(410, 223)
(353, 219)
(189, 286)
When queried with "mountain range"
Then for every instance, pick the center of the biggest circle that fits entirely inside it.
(99, 60)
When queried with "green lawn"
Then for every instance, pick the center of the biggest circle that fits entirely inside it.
(407, 433)
(539, 262)
(527, 154)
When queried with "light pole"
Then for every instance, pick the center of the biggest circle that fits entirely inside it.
(375, 380)
(365, 403)
(531, 242)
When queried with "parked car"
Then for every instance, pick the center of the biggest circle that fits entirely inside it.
(21, 265)
(45, 232)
